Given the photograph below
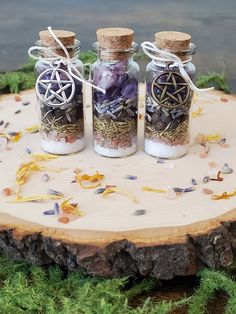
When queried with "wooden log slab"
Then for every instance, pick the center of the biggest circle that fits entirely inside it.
(174, 237)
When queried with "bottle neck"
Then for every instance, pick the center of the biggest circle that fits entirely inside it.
(111, 56)
(48, 52)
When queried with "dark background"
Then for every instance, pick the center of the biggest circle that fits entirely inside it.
(212, 24)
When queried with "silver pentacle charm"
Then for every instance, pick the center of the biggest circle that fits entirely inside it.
(170, 90)
(55, 87)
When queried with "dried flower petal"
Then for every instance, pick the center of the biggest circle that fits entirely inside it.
(198, 112)
(43, 157)
(34, 198)
(210, 138)
(111, 190)
(224, 195)
(149, 189)
(16, 137)
(218, 178)
(213, 138)
(85, 179)
(33, 129)
(24, 171)
(71, 208)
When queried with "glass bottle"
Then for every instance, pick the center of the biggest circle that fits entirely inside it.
(115, 112)
(168, 98)
(60, 95)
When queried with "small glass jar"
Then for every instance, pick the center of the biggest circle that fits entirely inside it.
(115, 112)
(60, 95)
(168, 99)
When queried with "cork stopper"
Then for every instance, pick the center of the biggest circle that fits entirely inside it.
(174, 42)
(115, 39)
(66, 37)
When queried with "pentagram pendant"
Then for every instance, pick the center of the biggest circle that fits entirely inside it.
(55, 87)
(170, 90)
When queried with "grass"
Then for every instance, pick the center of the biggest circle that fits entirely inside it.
(32, 289)
(218, 80)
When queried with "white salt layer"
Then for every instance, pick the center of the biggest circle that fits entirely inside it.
(62, 148)
(163, 150)
(115, 152)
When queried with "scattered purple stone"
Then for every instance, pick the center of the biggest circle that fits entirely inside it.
(160, 161)
(54, 192)
(49, 212)
(140, 212)
(56, 208)
(26, 103)
(184, 190)
(28, 150)
(130, 177)
(99, 190)
(206, 179)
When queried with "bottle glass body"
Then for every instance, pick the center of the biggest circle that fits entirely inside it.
(115, 112)
(61, 125)
(167, 110)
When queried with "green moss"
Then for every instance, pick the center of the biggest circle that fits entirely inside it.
(21, 79)
(218, 80)
(31, 289)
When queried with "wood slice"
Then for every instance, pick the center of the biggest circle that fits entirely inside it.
(174, 237)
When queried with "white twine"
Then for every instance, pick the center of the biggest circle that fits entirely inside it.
(55, 58)
(159, 56)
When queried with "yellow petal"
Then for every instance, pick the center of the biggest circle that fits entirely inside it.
(110, 190)
(149, 189)
(33, 129)
(43, 157)
(24, 171)
(213, 138)
(15, 138)
(198, 112)
(84, 178)
(34, 198)
(69, 208)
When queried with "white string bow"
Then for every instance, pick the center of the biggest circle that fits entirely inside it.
(68, 61)
(159, 56)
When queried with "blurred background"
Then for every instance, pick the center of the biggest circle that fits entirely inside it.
(212, 24)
